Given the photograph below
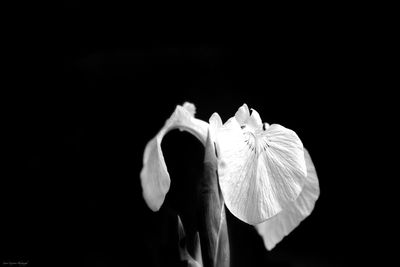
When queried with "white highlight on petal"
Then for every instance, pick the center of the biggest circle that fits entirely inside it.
(260, 172)
(154, 176)
(276, 228)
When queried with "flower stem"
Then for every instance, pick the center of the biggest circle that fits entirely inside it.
(213, 229)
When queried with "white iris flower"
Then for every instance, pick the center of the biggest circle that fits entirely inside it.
(266, 176)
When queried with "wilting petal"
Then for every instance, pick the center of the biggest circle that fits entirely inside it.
(276, 228)
(260, 172)
(154, 175)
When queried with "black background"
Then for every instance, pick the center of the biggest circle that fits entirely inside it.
(122, 77)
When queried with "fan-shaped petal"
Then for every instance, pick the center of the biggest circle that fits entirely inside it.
(260, 172)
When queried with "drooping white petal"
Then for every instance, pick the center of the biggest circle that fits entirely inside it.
(260, 172)
(154, 176)
(276, 228)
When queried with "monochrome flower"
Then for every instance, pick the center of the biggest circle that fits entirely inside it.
(266, 177)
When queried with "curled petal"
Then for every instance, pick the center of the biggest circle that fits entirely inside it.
(254, 122)
(276, 228)
(242, 115)
(154, 175)
(260, 172)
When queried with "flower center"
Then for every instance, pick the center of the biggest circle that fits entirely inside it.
(255, 141)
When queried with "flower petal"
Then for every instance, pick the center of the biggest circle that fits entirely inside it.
(276, 228)
(242, 115)
(259, 174)
(215, 124)
(154, 175)
(254, 122)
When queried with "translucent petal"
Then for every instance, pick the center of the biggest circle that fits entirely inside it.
(154, 176)
(260, 173)
(276, 228)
